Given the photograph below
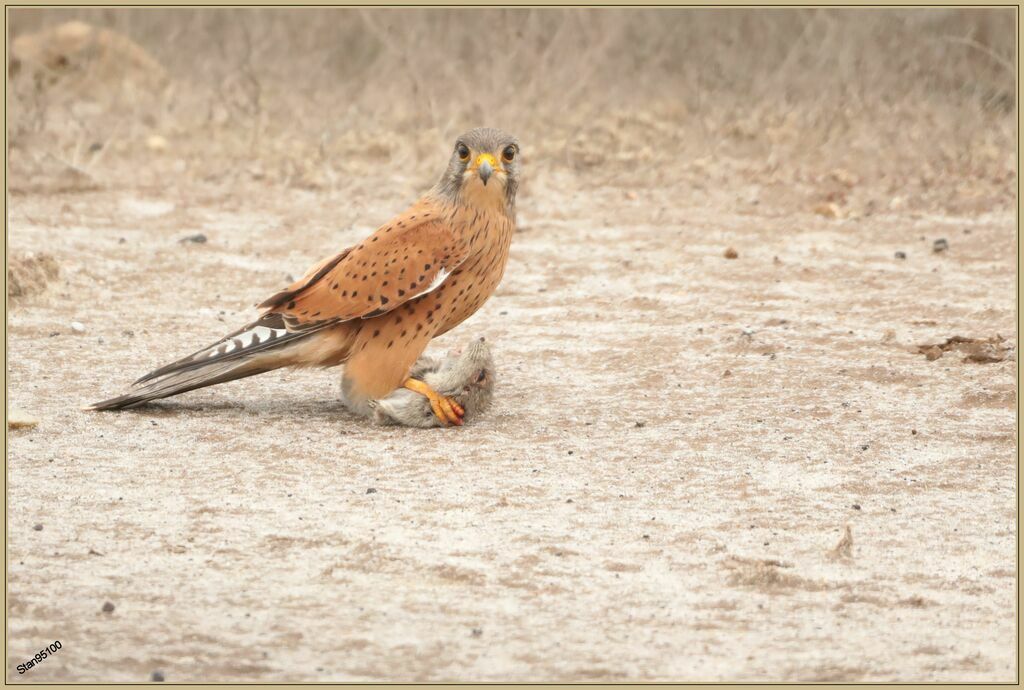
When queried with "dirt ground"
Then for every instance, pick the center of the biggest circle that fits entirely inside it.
(678, 444)
(756, 349)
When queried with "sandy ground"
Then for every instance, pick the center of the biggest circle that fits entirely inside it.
(678, 443)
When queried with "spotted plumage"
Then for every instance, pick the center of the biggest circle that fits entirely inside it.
(374, 307)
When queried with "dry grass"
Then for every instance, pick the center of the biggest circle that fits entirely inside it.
(318, 95)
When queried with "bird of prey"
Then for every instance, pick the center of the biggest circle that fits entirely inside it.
(374, 307)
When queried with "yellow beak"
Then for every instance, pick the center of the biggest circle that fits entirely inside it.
(485, 165)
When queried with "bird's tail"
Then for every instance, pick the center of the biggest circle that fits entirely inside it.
(257, 348)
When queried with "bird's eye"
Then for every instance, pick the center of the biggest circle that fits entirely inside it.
(463, 152)
(508, 154)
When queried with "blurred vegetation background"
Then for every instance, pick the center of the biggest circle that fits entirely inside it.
(321, 97)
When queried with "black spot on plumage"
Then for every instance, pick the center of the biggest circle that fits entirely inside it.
(384, 300)
(401, 293)
(376, 333)
(426, 267)
(291, 305)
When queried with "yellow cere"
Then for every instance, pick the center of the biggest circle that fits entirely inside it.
(486, 157)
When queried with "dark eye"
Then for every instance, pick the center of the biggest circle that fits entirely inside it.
(481, 376)
(508, 154)
(463, 152)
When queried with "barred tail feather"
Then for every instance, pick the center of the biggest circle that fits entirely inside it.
(184, 381)
(259, 347)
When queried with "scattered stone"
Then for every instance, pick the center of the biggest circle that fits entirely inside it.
(38, 527)
(77, 327)
(371, 490)
(901, 255)
(477, 632)
(155, 142)
(940, 245)
(30, 273)
(856, 506)
(828, 210)
(90, 56)
(640, 425)
(731, 253)
(157, 677)
(108, 607)
(844, 549)
(975, 350)
(17, 419)
(198, 238)
(727, 374)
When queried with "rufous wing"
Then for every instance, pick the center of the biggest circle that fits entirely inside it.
(409, 257)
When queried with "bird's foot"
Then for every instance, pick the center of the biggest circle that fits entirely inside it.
(445, 409)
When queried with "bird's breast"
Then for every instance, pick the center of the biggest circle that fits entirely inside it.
(489, 236)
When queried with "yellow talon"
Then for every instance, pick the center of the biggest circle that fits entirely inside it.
(445, 409)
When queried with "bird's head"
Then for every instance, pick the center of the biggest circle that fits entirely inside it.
(484, 168)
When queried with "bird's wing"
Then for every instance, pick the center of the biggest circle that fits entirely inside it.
(409, 257)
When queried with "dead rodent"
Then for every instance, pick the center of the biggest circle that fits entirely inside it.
(466, 376)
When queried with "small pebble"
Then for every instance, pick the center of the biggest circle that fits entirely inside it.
(731, 253)
(78, 327)
(17, 419)
(640, 425)
(157, 677)
(38, 527)
(856, 506)
(108, 608)
(371, 490)
(198, 238)
(940, 245)
(864, 447)
(477, 632)
(901, 255)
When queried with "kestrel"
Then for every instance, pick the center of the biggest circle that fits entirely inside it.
(375, 306)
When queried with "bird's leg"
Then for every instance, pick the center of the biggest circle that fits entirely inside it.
(445, 409)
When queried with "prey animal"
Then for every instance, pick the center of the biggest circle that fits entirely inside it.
(466, 377)
(375, 306)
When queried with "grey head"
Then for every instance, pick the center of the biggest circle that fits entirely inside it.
(484, 164)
